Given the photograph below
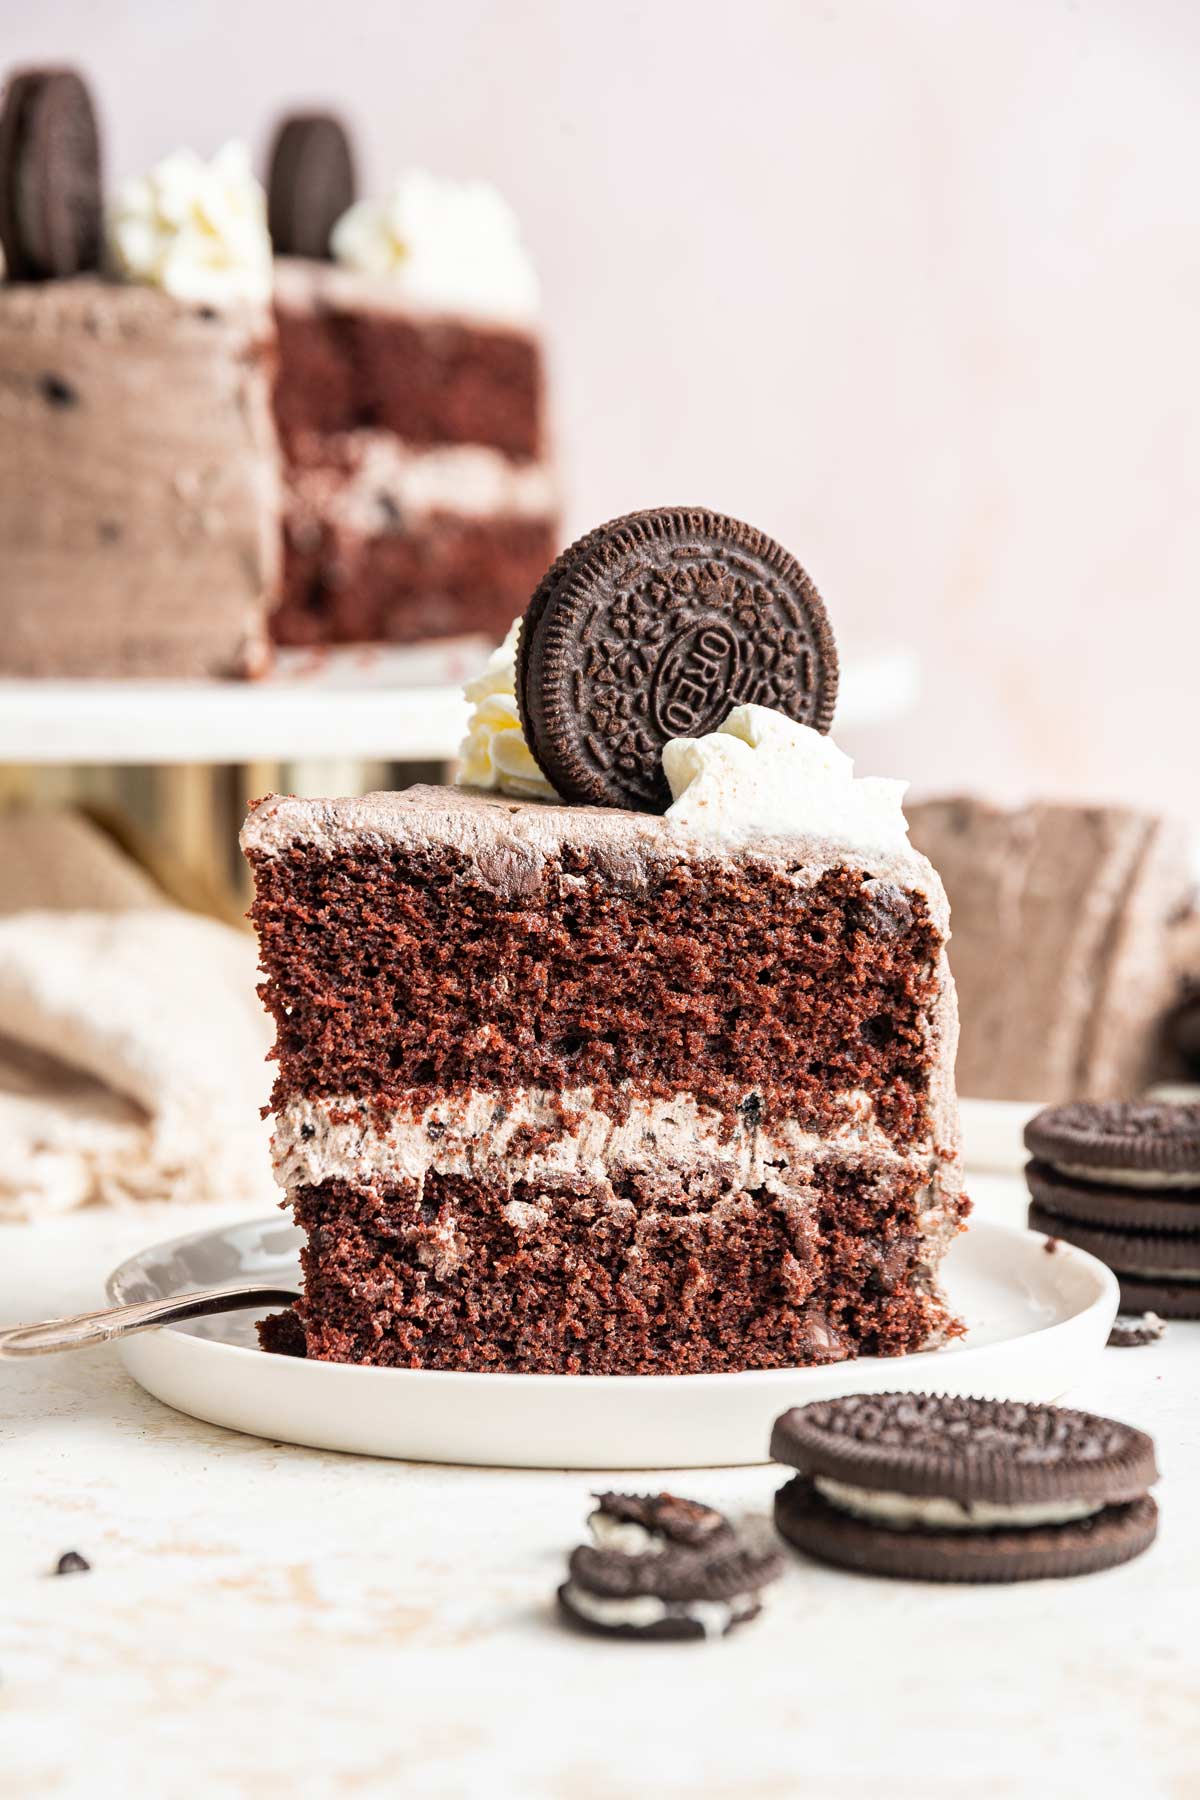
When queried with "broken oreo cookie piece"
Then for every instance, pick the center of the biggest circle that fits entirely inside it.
(1131, 1332)
(674, 1593)
(647, 1524)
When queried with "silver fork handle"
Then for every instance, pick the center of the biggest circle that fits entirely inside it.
(83, 1330)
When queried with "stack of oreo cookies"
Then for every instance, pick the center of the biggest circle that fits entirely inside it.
(1122, 1180)
(937, 1488)
(662, 1567)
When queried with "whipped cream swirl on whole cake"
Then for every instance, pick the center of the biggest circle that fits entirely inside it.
(196, 229)
(449, 246)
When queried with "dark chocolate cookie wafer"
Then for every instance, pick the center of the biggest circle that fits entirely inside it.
(1115, 1136)
(51, 210)
(311, 184)
(678, 1593)
(943, 1488)
(653, 627)
(642, 1524)
(1118, 1208)
(1157, 1272)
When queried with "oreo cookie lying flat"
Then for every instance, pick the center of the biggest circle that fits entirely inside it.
(938, 1488)
(1121, 1179)
(646, 1524)
(677, 1592)
(310, 185)
(51, 209)
(1109, 1138)
(653, 627)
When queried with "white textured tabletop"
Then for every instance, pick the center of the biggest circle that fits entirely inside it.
(263, 1620)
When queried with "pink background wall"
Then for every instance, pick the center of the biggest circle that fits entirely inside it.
(914, 284)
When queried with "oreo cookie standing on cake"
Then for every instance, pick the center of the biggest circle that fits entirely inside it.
(653, 627)
(50, 201)
(939, 1488)
(1121, 1179)
(311, 184)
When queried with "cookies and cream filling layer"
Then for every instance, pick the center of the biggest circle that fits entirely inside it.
(528, 1133)
(905, 1512)
(371, 484)
(1152, 1180)
(640, 1610)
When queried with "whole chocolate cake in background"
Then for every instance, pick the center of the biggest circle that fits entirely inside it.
(139, 491)
(410, 403)
(1070, 923)
(204, 449)
(659, 1085)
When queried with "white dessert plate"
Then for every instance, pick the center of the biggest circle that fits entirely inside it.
(1035, 1320)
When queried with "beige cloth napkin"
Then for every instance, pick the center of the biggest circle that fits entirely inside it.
(132, 1062)
(54, 857)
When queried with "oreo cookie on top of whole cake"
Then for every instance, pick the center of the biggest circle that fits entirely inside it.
(940, 1488)
(1121, 1179)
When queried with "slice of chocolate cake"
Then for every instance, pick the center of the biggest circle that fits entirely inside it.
(575, 1089)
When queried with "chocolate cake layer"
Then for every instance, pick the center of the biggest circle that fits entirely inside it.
(350, 357)
(723, 978)
(658, 1271)
(443, 576)
(139, 482)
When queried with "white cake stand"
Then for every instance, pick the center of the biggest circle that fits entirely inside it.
(378, 704)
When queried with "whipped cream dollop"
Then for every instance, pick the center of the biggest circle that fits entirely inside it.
(761, 773)
(448, 246)
(197, 229)
(494, 753)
